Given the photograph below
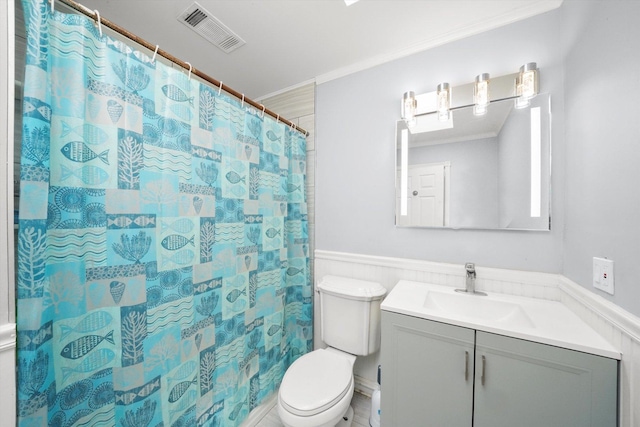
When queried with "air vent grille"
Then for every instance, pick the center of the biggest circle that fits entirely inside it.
(209, 27)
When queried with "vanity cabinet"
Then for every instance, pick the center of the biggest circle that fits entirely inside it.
(440, 375)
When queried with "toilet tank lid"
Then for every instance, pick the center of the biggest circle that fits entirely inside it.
(351, 288)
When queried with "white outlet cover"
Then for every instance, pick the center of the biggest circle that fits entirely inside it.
(603, 275)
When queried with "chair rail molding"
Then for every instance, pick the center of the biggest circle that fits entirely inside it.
(7, 337)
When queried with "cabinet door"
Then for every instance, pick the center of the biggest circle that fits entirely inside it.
(525, 384)
(427, 373)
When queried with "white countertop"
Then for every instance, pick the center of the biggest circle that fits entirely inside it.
(542, 321)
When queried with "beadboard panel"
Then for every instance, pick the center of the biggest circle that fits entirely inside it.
(308, 123)
(620, 328)
(388, 271)
(294, 103)
(311, 169)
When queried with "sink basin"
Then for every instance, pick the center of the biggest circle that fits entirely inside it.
(477, 308)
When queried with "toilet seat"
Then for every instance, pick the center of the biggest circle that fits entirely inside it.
(316, 382)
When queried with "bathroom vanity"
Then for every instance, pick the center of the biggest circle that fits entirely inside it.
(458, 360)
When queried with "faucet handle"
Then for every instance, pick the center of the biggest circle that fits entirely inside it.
(470, 267)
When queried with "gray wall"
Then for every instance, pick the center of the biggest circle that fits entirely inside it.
(355, 125)
(602, 110)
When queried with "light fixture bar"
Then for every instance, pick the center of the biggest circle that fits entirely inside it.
(509, 86)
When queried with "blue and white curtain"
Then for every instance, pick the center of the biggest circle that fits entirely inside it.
(163, 270)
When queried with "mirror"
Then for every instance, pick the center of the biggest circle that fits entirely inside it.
(484, 172)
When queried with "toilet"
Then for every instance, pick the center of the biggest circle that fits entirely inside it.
(317, 388)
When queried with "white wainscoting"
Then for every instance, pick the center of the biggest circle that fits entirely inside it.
(7, 372)
(621, 328)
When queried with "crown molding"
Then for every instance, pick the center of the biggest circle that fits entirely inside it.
(524, 12)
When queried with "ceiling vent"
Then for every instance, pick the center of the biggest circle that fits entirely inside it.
(209, 27)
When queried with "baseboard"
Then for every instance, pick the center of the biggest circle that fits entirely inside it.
(261, 411)
(364, 385)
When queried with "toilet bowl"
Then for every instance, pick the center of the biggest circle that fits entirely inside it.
(317, 389)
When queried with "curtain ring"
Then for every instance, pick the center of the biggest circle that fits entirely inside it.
(278, 119)
(220, 88)
(53, 2)
(190, 68)
(99, 21)
(263, 108)
(153, 60)
(292, 127)
(242, 101)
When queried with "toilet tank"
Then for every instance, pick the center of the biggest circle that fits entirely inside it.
(350, 314)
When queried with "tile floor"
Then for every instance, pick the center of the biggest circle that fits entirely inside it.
(361, 406)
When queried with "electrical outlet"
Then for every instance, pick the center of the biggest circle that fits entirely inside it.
(603, 274)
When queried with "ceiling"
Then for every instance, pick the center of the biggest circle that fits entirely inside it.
(468, 126)
(292, 42)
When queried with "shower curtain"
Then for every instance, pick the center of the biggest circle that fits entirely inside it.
(163, 270)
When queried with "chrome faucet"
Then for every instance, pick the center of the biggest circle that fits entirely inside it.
(471, 278)
(470, 281)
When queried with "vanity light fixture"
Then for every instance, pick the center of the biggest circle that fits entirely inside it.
(409, 105)
(443, 101)
(521, 86)
(481, 94)
(526, 84)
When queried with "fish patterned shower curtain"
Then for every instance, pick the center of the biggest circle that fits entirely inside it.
(163, 269)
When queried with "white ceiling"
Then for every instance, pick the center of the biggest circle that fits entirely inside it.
(291, 42)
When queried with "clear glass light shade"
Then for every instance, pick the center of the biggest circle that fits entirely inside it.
(409, 106)
(529, 80)
(481, 94)
(521, 102)
(526, 84)
(443, 101)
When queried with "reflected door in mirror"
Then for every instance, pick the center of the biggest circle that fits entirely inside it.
(426, 196)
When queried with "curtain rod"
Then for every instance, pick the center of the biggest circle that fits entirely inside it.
(118, 29)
